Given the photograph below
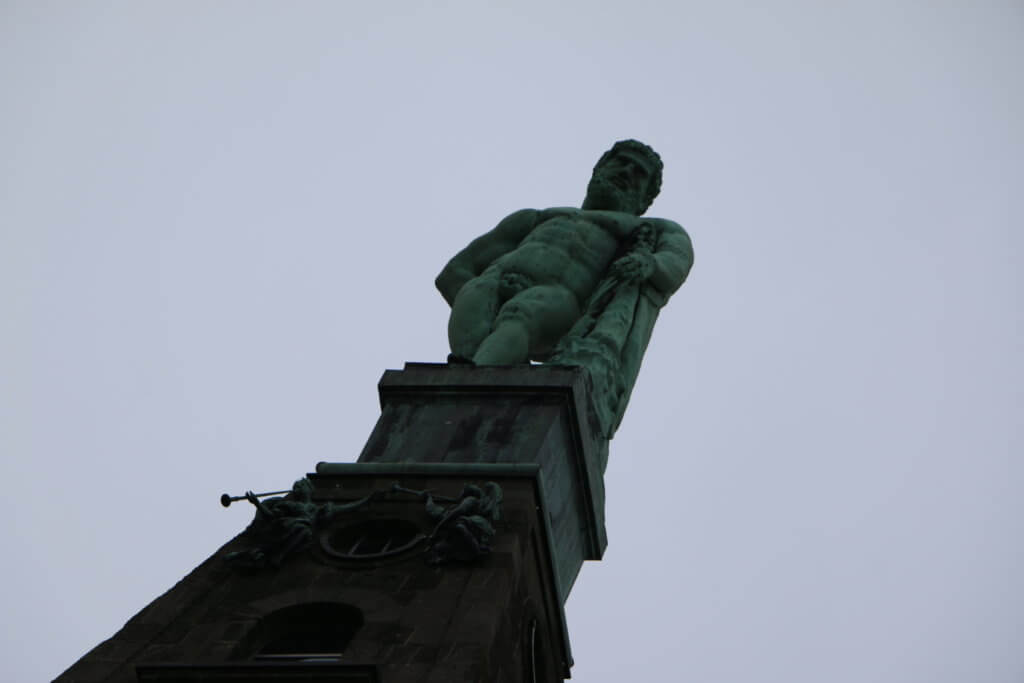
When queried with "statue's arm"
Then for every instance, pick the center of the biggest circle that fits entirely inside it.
(673, 258)
(483, 251)
(261, 509)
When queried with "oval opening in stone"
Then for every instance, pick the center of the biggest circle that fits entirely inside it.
(372, 538)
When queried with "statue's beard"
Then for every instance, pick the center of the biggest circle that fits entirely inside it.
(605, 195)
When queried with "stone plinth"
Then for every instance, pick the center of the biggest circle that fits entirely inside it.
(433, 413)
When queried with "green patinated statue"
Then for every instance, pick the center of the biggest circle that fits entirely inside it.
(284, 526)
(573, 286)
(462, 531)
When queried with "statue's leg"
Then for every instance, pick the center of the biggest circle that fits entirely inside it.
(528, 325)
(473, 313)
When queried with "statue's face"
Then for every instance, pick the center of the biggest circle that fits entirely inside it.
(620, 184)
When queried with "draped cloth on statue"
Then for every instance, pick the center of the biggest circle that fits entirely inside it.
(610, 339)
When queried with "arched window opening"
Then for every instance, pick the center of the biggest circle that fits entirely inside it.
(311, 632)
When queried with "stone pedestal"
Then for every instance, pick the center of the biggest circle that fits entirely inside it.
(432, 413)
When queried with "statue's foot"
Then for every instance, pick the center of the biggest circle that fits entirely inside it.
(459, 360)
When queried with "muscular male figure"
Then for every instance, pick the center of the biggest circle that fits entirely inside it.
(518, 289)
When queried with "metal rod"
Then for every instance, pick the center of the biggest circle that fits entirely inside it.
(227, 500)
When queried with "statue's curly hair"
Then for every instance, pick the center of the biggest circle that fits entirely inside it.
(654, 186)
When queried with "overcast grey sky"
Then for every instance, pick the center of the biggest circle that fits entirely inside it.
(220, 222)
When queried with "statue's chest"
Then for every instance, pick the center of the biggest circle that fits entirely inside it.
(575, 233)
(618, 225)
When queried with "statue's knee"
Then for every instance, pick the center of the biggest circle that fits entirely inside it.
(512, 284)
(512, 313)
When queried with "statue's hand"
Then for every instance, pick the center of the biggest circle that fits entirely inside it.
(636, 266)
(251, 497)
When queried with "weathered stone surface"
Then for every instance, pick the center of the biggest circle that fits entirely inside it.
(277, 673)
(435, 413)
(418, 622)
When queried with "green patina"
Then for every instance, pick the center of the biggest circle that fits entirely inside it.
(570, 286)
(285, 526)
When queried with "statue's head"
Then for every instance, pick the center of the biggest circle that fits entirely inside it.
(302, 490)
(626, 178)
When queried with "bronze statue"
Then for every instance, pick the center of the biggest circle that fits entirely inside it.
(573, 286)
(463, 530)
(284, 526)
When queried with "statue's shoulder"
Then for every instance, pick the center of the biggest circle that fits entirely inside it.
(546, 214)
(516, 225)
(671, 230)
(665, 225)
(521, 215)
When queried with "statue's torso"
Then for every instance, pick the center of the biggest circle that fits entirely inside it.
(570, 247)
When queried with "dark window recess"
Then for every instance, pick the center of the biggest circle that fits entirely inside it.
(271, 672)
(312, 632)
(372, 537)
